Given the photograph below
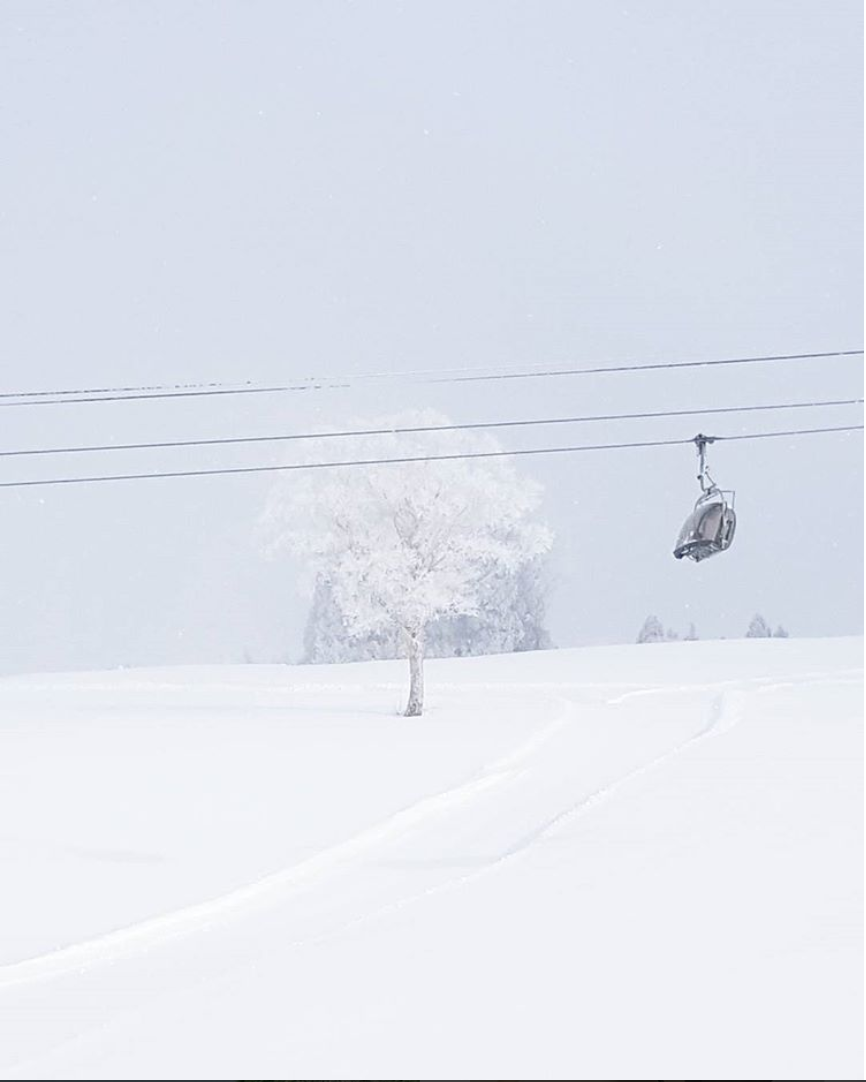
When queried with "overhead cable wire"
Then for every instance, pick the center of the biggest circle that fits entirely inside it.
(304, 382)
(649, 367)
(283, 468)
(414, 429)
(468, 375)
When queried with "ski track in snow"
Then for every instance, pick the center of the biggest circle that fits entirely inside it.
(724, 714)
(137, 938)
(721, 720)
(142, 935)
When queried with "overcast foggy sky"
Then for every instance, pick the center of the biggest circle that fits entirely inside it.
(262, 191)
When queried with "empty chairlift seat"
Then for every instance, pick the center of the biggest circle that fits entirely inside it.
(709, 529)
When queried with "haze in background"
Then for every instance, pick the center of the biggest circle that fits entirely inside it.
(271, 191)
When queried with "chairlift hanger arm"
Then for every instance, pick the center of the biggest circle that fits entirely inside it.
(701, 441)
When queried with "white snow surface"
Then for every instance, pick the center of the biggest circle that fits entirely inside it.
(618, 862)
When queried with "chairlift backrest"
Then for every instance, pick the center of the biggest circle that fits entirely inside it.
(709, 529)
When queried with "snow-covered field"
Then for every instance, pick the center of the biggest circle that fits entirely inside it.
(622, 862)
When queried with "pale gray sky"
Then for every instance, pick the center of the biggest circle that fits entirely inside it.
(264, 190)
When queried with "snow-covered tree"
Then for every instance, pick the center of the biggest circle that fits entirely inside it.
(398, 546)
(328, 640)
(652, 630)
(758, 628)
(509, 618)
(780, 633)
(692, 635)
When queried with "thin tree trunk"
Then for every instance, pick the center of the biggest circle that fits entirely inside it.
(415, 650)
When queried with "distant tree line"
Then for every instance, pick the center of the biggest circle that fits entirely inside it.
(760, 629)
(653, 630)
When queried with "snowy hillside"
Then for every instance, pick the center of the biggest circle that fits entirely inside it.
(622, 862)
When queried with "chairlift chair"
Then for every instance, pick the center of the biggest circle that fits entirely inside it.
(710, 527)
